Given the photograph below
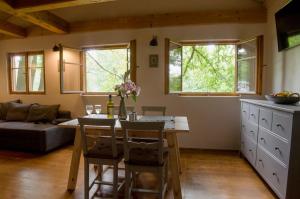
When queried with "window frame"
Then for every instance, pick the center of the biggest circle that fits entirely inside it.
(10, 72)
(132, 64)
(259, 66)
(62, 63)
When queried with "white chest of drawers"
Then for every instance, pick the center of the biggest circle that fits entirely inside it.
(270, 141)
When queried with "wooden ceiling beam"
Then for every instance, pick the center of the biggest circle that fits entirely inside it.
(43, 19)
(165, 20)
(173, 19)
(47, 21)
(34, 5)
(12, 30)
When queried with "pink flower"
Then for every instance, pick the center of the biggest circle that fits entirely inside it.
(128, 88)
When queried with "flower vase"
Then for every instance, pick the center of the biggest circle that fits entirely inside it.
(122, 110)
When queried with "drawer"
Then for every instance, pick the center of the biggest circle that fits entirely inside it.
(274, 145)
(272, 171)
(250, 151)
(253, 113)
(282, 124)
(265, 118)
(245, 111)
(252, 131)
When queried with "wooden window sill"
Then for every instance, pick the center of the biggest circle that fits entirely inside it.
(209, 94)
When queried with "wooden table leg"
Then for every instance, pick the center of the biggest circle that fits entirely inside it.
(178, 155)
(173, 152)
(73, 173)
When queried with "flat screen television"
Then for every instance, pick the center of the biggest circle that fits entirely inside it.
(288, 25)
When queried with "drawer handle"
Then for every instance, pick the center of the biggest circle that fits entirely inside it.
(252, 114)
(251, 131)
(244, 111)
(279, 125)
(275, 174)
(262, 163)
(264, 119)
(263, 139)
(278, 149)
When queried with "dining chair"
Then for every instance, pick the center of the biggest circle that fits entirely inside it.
(156, 109)
(140, 156)
(101, 151)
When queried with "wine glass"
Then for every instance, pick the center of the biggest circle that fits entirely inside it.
(89, 109)
(98, 109)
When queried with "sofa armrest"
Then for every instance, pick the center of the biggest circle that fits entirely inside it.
(64, 115)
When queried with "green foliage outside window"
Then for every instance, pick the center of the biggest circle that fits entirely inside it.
(105, 68)
(205, 68)
(175, 69)
(294, 40)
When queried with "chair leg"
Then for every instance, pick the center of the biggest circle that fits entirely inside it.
(86, 179)
(127, 183)
(115, 181)
(167, 174)
(161, 182)
(99, 171)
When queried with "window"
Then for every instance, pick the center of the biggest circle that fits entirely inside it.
(26, 72)
(214, 68)
(105, 67)
(96, 70)
(71, 70)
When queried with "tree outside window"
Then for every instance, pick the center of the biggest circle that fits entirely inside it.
(214, 67)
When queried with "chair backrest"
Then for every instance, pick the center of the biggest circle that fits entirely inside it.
(160, 109)
(157, 128)
(98, 122)
(128, 109)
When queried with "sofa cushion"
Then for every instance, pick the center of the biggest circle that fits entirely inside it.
(32, 137)
(4, 108)
(42, 113)
(17, 112)
(26, 126)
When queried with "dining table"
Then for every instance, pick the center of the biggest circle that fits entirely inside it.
(174, 125)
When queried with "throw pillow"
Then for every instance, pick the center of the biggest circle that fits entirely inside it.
(42, 113)
(17, 112)
(4, 107)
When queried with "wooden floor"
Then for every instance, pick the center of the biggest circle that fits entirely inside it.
(206, 175)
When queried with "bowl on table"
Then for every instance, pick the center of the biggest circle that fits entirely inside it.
(289, 99)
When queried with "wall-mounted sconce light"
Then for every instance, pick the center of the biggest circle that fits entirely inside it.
(56, 47)
(154, 41)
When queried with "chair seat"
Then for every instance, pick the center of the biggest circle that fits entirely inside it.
(102, 149)
(145, 157)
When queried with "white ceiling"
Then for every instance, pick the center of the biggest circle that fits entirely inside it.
(145, 7)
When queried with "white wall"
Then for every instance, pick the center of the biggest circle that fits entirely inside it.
(214, 121)
(284, 66)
